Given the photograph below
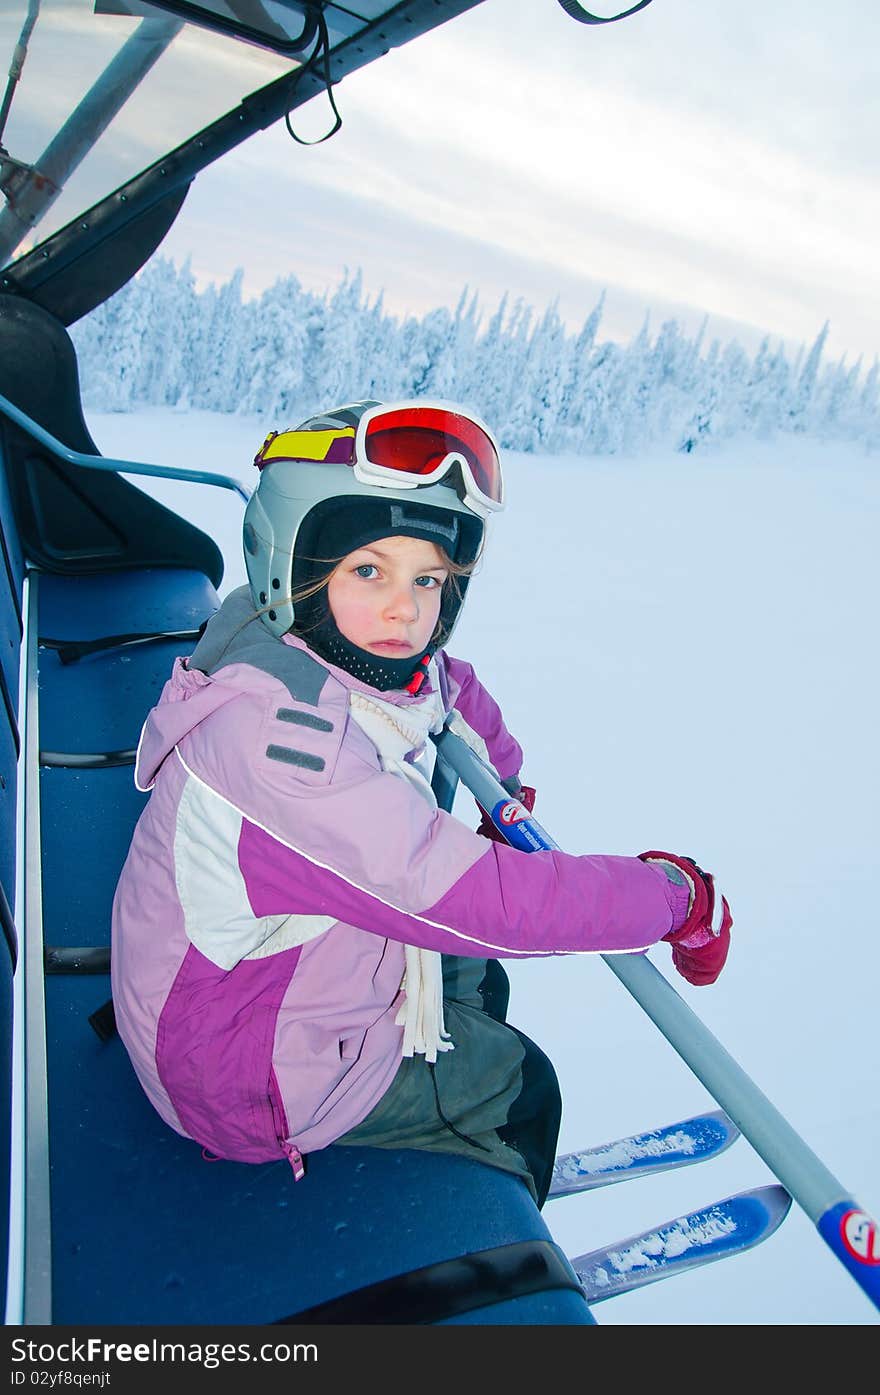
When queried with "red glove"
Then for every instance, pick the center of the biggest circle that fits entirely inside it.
(525, 794)
(701, 944)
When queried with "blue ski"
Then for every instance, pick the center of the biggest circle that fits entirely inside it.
(716, 1231)
(675, 1145)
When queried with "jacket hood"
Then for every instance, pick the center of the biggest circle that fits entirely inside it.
(188, 698)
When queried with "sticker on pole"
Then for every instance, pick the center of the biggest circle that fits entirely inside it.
(861, 1236)
(511, 812)
(854, 1236)
(517, 825)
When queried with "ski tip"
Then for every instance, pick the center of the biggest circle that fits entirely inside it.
(695, 1139)
(777, 1201)
(725, 1124)
(716, 1231)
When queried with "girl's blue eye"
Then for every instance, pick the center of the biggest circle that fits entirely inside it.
(428, 582)
(364, 569)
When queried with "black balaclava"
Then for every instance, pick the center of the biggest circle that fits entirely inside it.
(337, 527)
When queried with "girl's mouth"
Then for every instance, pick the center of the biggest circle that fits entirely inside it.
(393, 646)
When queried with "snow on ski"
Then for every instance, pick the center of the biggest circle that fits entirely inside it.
(714, 1232)
(674, 1145)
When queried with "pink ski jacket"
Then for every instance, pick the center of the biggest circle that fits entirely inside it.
(276, 873)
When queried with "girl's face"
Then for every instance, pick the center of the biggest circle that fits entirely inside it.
(385, 597)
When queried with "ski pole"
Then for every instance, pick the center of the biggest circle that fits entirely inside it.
(848, 1230)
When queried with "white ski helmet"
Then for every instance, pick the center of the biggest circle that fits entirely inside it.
(360, 472)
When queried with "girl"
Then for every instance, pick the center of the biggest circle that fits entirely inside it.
(305, 948)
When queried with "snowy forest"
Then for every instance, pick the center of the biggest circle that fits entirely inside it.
(283, 354)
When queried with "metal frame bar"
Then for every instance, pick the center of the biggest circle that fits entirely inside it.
(14, 1313)
(255, 112)
(42, 185)
(29, 1273)
(111, 463)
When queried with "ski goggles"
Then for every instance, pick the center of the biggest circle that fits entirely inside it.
(405, 445)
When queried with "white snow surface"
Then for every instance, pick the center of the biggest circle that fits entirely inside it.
(619, 1154)
(672, 1241)
(686, 647)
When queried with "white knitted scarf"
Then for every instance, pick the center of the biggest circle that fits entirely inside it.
(397, 732)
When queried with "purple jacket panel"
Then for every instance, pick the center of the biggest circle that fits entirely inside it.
(481, 711)
(600, 904)
(214, 1053)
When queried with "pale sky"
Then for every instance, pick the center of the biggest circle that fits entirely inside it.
(698, 157)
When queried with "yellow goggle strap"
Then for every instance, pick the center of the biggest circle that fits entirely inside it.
(304, 445)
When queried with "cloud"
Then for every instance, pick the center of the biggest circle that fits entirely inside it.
(603, 188)
(698, 154)
(318, 233)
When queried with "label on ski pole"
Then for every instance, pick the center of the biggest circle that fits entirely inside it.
(518, 826)
(854, 1236)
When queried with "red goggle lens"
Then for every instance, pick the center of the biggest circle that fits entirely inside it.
(416, 441)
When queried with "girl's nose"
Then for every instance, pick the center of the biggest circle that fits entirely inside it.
(402, 605)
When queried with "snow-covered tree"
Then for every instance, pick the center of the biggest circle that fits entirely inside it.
(219, 374)
(288, 353)
(274, 354)
(800, 416)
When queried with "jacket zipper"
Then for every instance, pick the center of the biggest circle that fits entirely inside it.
(288, 1147)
